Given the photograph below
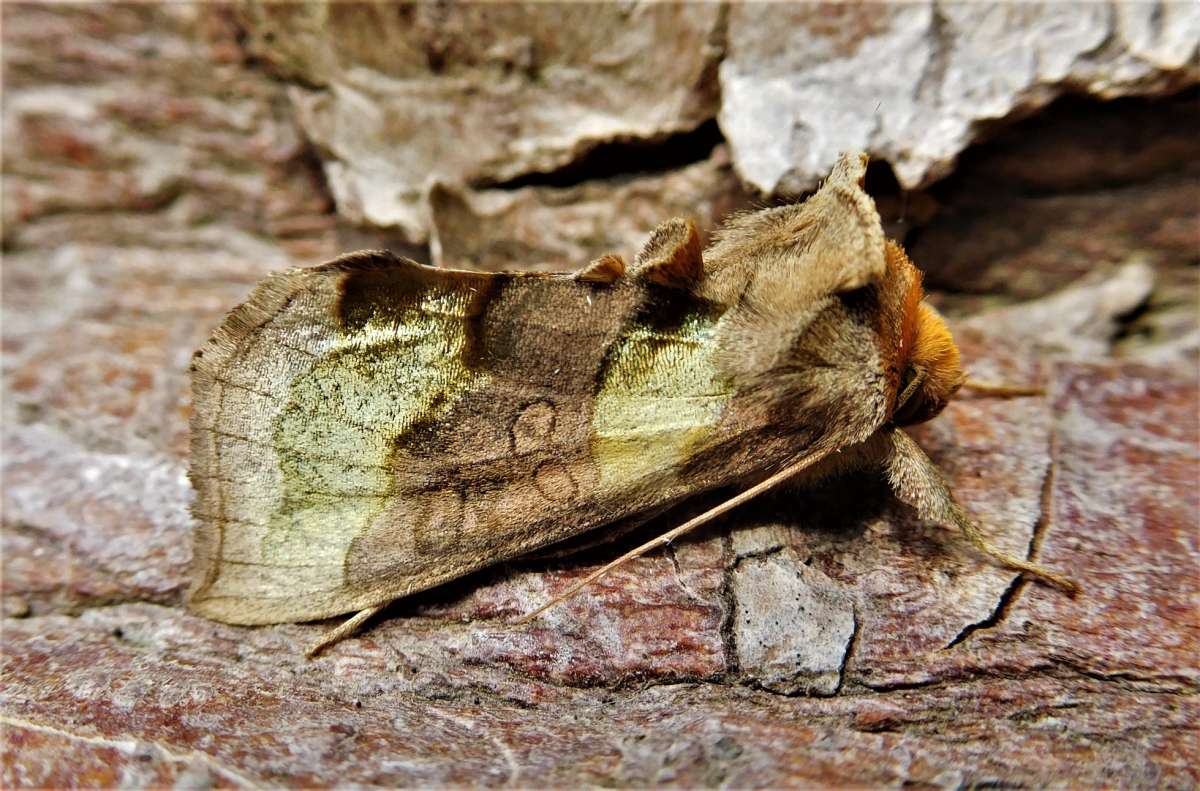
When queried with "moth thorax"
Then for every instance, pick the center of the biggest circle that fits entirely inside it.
(932, 373)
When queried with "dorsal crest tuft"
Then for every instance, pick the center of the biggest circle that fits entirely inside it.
(607, 268)
(672, 257)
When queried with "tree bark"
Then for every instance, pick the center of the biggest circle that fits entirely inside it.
(162, 159)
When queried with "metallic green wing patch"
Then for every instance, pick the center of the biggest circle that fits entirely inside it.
(659, 397)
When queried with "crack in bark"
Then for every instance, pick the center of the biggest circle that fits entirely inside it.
(1187, 687)
(997, 615)
(851, 646)
(1047, 502)
(728, 640)
(1008, 598)
(757, 554)
(606, 160)
(674, 558)
(1056, 668)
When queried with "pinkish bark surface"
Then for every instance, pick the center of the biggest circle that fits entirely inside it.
(822, 638)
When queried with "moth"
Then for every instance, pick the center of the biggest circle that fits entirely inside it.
(373, 427)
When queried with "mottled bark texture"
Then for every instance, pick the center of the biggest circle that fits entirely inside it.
(161, 159)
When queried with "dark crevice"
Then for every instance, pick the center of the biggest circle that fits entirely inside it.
(899, 209)
(674, 558)
(1010, 595)
(728, 638)
(1028, 178)
(630, 157)
(880, 181)
(979, 785)
(1046, 504)
(309, 161)
(997, 615)
(1131, 325)
(851, 647)
(758, 554)
(1111, 143)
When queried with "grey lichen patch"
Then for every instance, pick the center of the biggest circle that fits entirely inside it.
(792, 625)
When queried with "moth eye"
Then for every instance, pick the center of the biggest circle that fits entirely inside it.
(861, 298)
(908, 399)
(906, 391)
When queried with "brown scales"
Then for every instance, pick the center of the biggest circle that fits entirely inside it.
(823, 342)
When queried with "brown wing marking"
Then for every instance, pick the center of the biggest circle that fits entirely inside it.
(505, 471)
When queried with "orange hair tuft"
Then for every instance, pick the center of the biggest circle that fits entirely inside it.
(926, 349)
(934, 351)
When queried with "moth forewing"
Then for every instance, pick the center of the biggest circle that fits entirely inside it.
(377, 427)
(371, 427)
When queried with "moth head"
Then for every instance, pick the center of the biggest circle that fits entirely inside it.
(932, 373)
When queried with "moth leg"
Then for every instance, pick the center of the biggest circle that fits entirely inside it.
(917, 481)
(1002, 389)
(344, 630)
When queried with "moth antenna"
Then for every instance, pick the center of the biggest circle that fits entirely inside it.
(1002, 389)
(343, 630)
(671, 535)
(978, 540)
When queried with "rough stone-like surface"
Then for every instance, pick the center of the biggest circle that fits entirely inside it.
(911, 82)
(1080, 322)
(121, 138)
(791, 626)
(559, 228)
(397, 96)
(157, 166)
